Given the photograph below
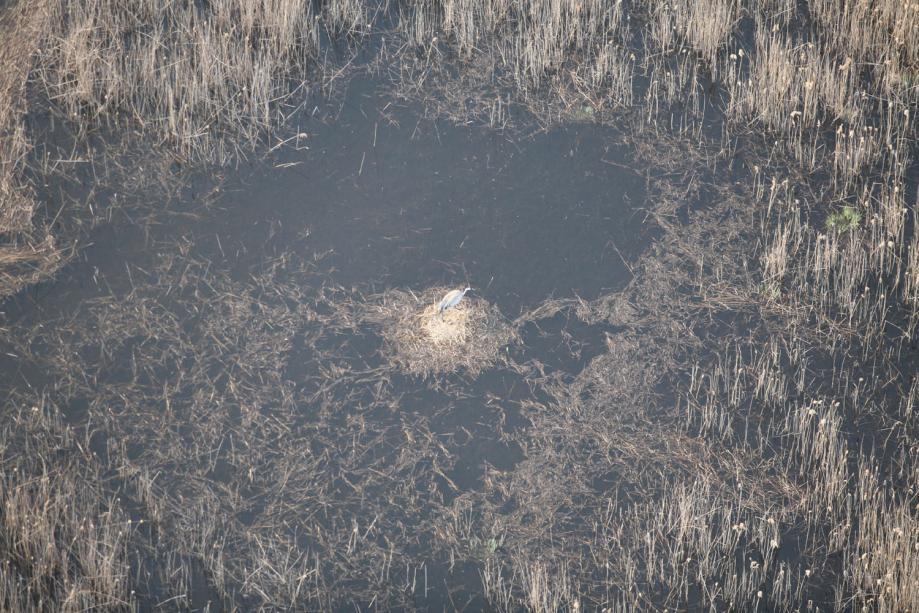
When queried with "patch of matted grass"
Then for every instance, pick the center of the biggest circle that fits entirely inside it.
(418, 339)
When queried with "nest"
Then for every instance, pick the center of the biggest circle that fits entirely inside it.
(421, 341)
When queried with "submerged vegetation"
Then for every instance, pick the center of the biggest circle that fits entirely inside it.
(744, 439)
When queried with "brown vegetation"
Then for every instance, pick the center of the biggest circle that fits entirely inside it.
(28, 252)
(64, 541)
(471, 337)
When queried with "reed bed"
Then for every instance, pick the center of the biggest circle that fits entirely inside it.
(66, 544)
(28, 250)
(187, 73)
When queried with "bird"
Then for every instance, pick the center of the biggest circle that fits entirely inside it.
(452, 299)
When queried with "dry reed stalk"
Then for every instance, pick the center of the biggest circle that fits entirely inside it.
(187, 74)
(27, 253)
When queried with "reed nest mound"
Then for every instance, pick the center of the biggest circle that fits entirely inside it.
(418, 339)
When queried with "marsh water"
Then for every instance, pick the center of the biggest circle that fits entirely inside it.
(390, 199)
(639, 405)
(366, 196)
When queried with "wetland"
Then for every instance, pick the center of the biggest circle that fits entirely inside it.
(685, 379)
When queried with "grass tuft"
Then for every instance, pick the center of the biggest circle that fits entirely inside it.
(846, 220)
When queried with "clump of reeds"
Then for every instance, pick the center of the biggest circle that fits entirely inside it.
(882, 554)
(186, 73)
(578, 50)
(883, 36)
(27, 251)
(64, 542)
(469, 337)
(18, 29)
(703, 27)
(26, 259)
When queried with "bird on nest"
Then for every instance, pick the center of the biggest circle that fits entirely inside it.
(452, 299)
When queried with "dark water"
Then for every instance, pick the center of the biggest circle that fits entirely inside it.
(380, 197)
(394, 200)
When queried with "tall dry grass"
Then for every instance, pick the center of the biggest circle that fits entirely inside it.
(187, 73)
(28, 252)
(64, 543)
